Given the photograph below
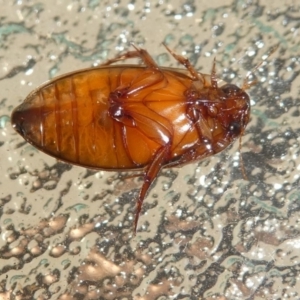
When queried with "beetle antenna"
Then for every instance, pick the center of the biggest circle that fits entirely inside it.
(213, 75)
(247, 84)
(241, 157)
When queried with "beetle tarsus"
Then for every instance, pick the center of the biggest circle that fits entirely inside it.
(186, 63)
(137, 53)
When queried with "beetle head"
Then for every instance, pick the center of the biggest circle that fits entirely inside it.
(235, 112)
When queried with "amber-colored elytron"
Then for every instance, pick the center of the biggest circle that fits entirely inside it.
(131, 117)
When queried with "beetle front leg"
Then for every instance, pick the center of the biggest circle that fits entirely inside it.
(200, 123)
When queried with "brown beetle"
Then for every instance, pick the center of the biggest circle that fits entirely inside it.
(131, 117)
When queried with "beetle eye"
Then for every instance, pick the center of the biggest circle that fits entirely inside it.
(235, 128)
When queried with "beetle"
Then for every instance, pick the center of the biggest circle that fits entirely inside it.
(134, 117)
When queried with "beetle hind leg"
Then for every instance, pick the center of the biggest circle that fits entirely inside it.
(151, 173)
(139, 119)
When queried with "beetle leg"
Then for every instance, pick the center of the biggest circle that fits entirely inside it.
(154, 127)
(147, 81)
(153, 169)
(200, 123)
(185, 62)
(138, 53)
